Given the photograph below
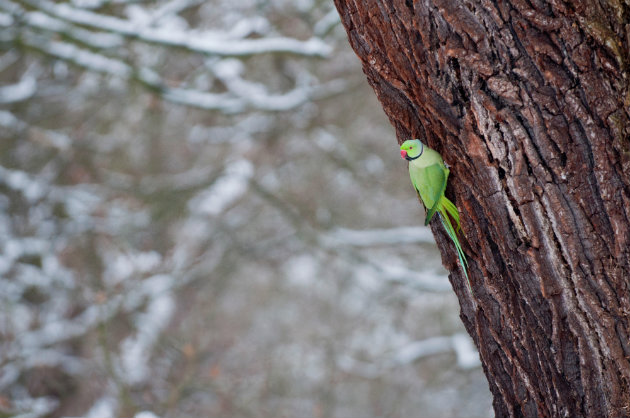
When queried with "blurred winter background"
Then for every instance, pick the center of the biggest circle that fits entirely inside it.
(203, 213)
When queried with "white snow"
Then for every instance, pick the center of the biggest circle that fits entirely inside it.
(467, 354)
(36, 407)
(226, 190)
(87, 59)
(325, 24)
(135, 351)
(145, 414)
(424, 348)
(198, 41)
(209, 101)
(18, 92)
(301, 270)
(105, 407)
(31, 187)
(6, 20)
(230, 72)
(375, 237)
(243, 131)
(9, 121)
(122, 266)
(98, 40)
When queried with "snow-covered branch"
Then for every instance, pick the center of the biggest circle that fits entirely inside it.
(230, 71)
(45, 22)
(97, 42)
(425, 281)
(20, 91)
(346, 243)
(244, 96)
(204, 42)
(229, 187)
(46, 137)
(376, 237)
(327, 23)
(459, 344)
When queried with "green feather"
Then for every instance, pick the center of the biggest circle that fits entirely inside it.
(452, 211)
(444, 217)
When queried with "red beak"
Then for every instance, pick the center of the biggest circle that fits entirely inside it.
(403, 153)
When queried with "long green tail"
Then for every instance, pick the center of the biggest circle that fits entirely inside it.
(446, 208)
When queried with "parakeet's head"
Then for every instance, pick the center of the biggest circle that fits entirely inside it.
(411, 149)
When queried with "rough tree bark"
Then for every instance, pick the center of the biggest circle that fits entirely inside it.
(529, 102)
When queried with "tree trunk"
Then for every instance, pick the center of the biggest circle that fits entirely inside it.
(529, 103)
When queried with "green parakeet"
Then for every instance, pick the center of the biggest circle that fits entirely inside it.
(429, 175)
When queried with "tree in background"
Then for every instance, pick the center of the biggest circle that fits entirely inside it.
(529, 104)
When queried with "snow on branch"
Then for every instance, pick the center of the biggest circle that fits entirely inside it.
(246, 96)
(102, 64)
(156, 290)
(229, 71)
(135, 350)
(43, 21)
(30, 186)
(467, 356)
(460, 344)
(425, 280)
(78, 56)
(376, 237)
(29, 407)
(20, 91)
(227, 189)
(343, 244)
(95, 42)
(173, 7)
(8, 121)
(205, 42)
(45, 137)
(329, 21)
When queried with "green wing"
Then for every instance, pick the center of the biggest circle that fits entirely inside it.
(430, 183)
